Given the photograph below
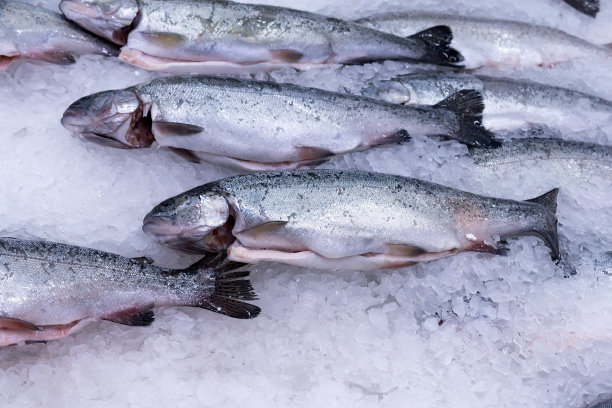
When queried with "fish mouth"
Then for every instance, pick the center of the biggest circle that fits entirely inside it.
(173, 236)
(189, 240)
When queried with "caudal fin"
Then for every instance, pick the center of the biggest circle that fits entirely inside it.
(468, 105)
(229, 290)
(437, 42)
(588, 7)
(548, 230)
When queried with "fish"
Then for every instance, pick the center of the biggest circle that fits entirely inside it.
(329, 219)
(508, 103)
(224, 37)
(494, 42)
(48, 289)
(567, 160)
(588, 7)
(235, 122)
(30, 32)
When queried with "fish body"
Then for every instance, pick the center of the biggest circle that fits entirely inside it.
(571, 159)
(48, 288)
(344, 220)
(508, 103)
(258, 125)
(493, 42)
(27, 31)
(221, 37)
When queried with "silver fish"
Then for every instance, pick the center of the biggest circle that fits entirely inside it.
(588, 7)
(509, 103)
(222, 37)
(344, 220)
(259, 125)
(493, 42)
(27, 31)
(571, 159)
(47, 289)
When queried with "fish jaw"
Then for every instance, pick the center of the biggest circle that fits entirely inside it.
(192, 223)
(110, 19)
(111, 118)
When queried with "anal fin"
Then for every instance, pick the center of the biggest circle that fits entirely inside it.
(132, 317)
(286, 55)
(312, 153)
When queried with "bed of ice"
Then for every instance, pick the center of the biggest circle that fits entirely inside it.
(467, 331)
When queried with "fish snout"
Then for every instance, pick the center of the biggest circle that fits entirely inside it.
(111, 118)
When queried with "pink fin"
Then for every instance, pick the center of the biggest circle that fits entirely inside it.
(6, 61)
(9, 323)
(404, 250)
(312, 153)
(186, 154)
(286, 55)
(132, 317)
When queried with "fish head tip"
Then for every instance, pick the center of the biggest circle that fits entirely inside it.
(192, 223)
(106, 18)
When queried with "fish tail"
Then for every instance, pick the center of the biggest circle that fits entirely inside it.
(588, 7)
(468, 105)
(547, 230)
(230, 287)
(437, 45)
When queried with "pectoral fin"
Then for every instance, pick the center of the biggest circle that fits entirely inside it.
(165, 40)
(175, 129)
(8, 323)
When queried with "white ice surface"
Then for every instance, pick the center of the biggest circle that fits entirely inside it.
(468, 331)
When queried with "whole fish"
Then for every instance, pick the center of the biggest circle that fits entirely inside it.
(572, 160)
(344, 220)
(493, 42)
(47, 289)
(509, 103)
(259, 125)
(588, 7)
(222, 37)
(27, 31)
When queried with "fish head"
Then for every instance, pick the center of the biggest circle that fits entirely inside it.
(110, 118)
(110, 19)
(391, 91)
(192, 222)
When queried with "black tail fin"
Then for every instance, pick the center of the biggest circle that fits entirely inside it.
(549, 231)
(588, 7)
(229, 287)
(437, 42)
(468, 106)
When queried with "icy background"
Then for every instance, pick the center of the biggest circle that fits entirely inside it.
(468, 331)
